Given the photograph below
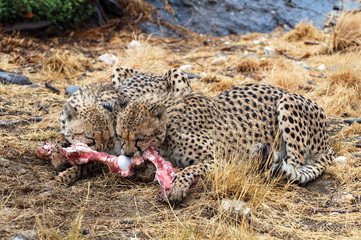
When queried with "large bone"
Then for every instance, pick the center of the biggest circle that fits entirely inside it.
(80, 153)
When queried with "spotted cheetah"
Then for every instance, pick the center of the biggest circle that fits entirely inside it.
(89, 115)
(185, 127)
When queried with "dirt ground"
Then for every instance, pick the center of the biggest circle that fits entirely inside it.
(107, 207)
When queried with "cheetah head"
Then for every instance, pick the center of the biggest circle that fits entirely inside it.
(140, 126)
(90, 124)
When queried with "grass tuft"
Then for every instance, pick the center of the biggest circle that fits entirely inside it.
(347, 32)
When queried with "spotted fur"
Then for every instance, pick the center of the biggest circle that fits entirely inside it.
(89, 115)
(186, 126)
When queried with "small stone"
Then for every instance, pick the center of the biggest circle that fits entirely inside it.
(344, 198)
(236, 208)
(246, 54)
(27, 235)
(270, 51)
(71, 89)
(340, 159)
(134, 44)
(304, 65)
(219, 61)
(185, 67)
(10, 78)
(321, 67)
(191, 75)
(358, 120)
(86, 231)
(309, 82)
(109, 59)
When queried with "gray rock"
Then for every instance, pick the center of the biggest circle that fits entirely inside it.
(236, 208)
(358, 120)
(71, 89)
(31, 26)
(27, 235)
(191, 75)
(10, 78)
(221, 18)
(351, 6)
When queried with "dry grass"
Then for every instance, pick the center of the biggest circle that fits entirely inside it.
(304, 31)
(347, 32)
(122, 208)
(341, 91)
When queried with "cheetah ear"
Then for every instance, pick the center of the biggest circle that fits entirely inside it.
(157, 110)
(69, 111)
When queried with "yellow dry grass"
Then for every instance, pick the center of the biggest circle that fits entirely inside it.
(122, 208)
(304, 31)
(347, 32)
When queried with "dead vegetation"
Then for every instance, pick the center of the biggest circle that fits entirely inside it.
(347, 32)
(104, 206)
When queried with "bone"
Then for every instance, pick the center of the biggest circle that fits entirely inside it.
(45, 151)
(80, 154)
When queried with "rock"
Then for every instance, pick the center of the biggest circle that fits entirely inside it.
(185, 67)
(350, 6)
(340, 159)
(309, 82)
(304, 65)
(10, 78)
(71, 89)
(191, 75)
(109, 59)
(270, 51)
(134, 44)
(358, 120)
(321, 67)
(221, 18)
(344, 198)
(250, 55)
(31, 26)
(235, 208)
(114, 7)
(219, 61)
(27, 235)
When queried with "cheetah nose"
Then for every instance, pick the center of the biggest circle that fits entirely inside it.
(129, 155)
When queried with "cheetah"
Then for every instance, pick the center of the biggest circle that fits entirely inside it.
(185, 127)
(89, 115)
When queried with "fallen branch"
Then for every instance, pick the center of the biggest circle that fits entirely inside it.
(20, 121)
(311, 43)
(54, 89)
(40, 106)
(307, 55)
(332, 210)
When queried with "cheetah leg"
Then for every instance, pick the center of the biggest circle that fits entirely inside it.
(120, 74)
(186, 178)
(306, 172)
(298, 160)
(177, 80)
(74, 173)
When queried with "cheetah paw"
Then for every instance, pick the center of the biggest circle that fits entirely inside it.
(177, 193)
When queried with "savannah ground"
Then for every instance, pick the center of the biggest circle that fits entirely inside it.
(322, 66)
